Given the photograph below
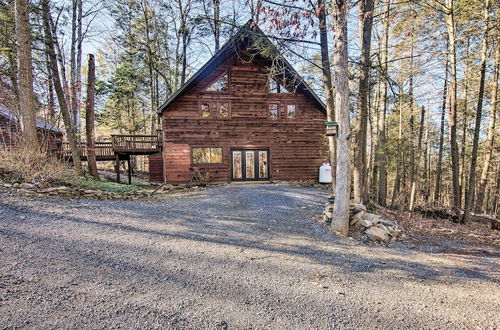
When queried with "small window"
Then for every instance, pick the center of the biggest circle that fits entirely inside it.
(276, 87)
(224, 109)
(207, 155)
(273, 111)
(205, 110)
(220, 85)
(291, 111)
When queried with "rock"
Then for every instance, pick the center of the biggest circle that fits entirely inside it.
(88, 191)
(357, 218)
(7, 185)
(355, 208)
(373, 218)
(26, 186)
(366, 223)
(377, 234)
(15, 185)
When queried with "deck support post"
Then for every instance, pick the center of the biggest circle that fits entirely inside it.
(117, 168)
(129, 170)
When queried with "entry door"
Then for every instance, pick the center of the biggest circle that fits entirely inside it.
(250, 165)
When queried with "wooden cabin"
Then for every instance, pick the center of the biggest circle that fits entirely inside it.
(10, 131)
(246, 115)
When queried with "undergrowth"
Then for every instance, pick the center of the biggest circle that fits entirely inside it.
(21, 165)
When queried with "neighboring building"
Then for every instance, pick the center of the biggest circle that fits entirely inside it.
(10, 133)
(234, 120)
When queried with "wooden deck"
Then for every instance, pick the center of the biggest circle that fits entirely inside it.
(120, 146)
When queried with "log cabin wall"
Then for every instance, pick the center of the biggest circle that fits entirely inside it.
(296, 145)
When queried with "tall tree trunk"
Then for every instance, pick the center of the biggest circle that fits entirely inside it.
(490, 141)
(380, 154)
(340, 219)
(475, 144)
(365, 27)
(413, 194)
(452, 118)
(465, 123)
(50, 92)
(437, 186)
(217, 24)
(75, 64)
(65, 110)
(89, 118)
(25, 69)
(327, 86)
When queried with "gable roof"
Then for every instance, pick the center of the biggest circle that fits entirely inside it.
(41, 124)
(248, 35)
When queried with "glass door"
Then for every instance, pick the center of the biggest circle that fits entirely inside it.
(250, 165)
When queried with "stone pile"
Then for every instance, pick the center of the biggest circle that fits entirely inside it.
(33, 190)
(367, 226)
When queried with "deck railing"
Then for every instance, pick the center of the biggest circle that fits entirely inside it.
(136, 143)
(102, 149)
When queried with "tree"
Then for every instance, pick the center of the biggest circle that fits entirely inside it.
(63, 105)
(360, 161)
(490, 140)
(25, 69)
(340, 218)
(89, 118)
(479, 108)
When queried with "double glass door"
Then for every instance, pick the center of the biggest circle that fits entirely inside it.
(250, 165)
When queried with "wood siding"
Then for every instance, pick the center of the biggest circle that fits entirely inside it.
(10, 135)
(156, 168)
(296, 145)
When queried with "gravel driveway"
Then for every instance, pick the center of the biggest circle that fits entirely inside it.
(235, 257)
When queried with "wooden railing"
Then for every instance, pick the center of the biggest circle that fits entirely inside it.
(102, 150)
(136, 143)
(130, 144)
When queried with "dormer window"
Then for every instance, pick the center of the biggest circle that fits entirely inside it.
(220, 85)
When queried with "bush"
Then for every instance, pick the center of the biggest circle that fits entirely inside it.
(27, 165)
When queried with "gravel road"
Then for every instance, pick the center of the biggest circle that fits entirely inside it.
(231, 257)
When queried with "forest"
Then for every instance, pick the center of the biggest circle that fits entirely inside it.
(412, 84)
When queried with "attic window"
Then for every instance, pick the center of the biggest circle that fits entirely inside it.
(276, 87)
(291, 111)
(205, 110)
(220, 85)
(273, 111)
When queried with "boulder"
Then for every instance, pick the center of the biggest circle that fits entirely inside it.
(377, 234)
(373, 218)
(355, 208)
(356, 218)
(366, 223)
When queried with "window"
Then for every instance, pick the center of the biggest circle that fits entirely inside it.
(224, 109)
(207, 155)
(291, 111)
(275, 87)
(205, 110)
(220, 85)
(273, 111)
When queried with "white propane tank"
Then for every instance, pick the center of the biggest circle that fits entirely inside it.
(325, 173)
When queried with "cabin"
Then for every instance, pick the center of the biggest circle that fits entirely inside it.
(246, 115)
(49, 135)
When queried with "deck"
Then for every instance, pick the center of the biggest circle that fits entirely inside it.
(120, 146)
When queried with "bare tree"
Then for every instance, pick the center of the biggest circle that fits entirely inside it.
(439, 167)
(360, 161)
(25, 69)
(490, 141)
(475, 144)
(89, 118)
(340, 219)
(63, 105)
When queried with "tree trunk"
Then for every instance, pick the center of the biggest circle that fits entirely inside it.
(365, 27)
(25, 70)
(340, 221)
(475, 144)
(491, 134)
(65, 111)
(89, 118)
(380, 153)
(413, 194)
(50, 92)
(217, 24)
(437, 187)
(327, 86)
(75, 64)
(452, 118)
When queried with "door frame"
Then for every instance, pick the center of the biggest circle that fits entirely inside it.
(256, 164)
